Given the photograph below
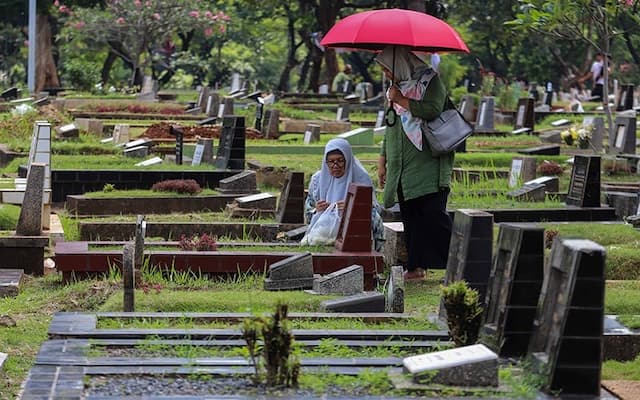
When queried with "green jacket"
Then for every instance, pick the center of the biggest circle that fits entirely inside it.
(416, 171)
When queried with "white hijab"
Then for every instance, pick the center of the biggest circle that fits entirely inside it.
(332, 189)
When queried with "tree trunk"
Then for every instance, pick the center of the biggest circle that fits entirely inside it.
(283, 84)
(46, 71)
(327, 13)
(106, 67)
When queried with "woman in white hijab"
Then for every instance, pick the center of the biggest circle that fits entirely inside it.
(331, 183)
(407, 170)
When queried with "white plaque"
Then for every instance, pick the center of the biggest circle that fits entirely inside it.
(483, 107)
(307, 136)
(620, 136)
(560, 122)
(516, 168)
(197, 154)
(339, 114)
(221, 110)
(463, 106)
(448, 358)
(520, 118)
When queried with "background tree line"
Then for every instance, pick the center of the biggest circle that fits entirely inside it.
(274, 44)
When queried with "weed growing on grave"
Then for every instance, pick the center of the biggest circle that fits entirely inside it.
(464, 312)
(108, 187)
(182, 186)
(203, 242)
(278, 360)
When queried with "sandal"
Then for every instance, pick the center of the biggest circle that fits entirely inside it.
(417, 274)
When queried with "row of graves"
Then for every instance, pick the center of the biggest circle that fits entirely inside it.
(541, 313)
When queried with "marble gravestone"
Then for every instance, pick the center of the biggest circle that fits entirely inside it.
(484, 118)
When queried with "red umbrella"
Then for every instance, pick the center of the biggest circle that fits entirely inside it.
(376, 29)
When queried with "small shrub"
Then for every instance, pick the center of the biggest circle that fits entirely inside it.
(464, 313)
(198, 243)
(282, 366)
(182, 186)
(550, 168)
(108, 187)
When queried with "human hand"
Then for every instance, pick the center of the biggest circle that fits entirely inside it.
(321, 205)
(394, 95)
(382, 171)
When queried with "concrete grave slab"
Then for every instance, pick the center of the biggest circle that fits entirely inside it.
(530, 192)
(359, 136)
(295, 272)
(547, 150)
(30, 220)
(347, 281)
(244, 182)
(137, 152)
(10, 282)
(551, 183)
(68, 131)
(474, 365)
(368, 302)
(262, 201)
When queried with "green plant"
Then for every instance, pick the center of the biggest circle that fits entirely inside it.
(9, 215)
(464, 312)
(108, 187)
(281, 365)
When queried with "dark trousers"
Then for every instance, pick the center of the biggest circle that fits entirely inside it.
(597, 92)
(427, 230)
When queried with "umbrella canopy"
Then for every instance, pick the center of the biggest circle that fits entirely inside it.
(376, 29)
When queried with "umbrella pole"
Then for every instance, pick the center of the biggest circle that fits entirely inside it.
(390, 116)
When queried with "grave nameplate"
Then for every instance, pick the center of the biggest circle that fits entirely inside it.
(514, 173)
(343, 112)
(380, 119)
(312, 134)
(566, 345)
(624, 140)
(525, 116)
(474, 365)
(584, 187)
(560, 122)
(514, 288)
(197, 154)
(522, 169)
(179, 134)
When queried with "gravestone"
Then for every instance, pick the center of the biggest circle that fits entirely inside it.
(152, 161)
(529, 192)
(522, 169)
(354, 233)
(141, 231)
(67, 131)
(270, 124)
(203, 96)
(484, 119)
(241, 183)
(367, 302)
(139, 151)
(9, 94)
(584, 187)
(624, 136)
(395, 290)
(128, 277)
(261, 201)
(380, 119)
(212, 104)
(295, 272)
(179, 134)
(208, 121)
(30, 220)
(566, 345)
(10, 282)
(358, 137)
(259, 113)
(3, 359)
(524, 115)
(473, 365)
(544, 150)
(548, 95)
(197, 154)
(95, 127)
(346, 281)
(312, 133)
(226, 107)
(207, 149)
(596, 125)
(120, 133)
(291, 203)
(149, 89)
(625, 98)
(342, 114)
(394, 249)
(231, 150)
(515, 281)
(470, 251)
(467, 108)
(551, 183)
(625, 204)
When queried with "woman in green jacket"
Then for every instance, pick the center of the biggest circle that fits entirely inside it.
(406, 168)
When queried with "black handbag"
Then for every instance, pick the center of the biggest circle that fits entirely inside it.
(447, 131)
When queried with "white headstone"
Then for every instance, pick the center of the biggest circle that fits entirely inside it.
(516, 169)
(151, 161)
(448, 358)
(197, 154)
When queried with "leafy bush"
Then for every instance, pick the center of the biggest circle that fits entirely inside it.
(464, 312)
(182, 186)
(198, 243)
(81, 74)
